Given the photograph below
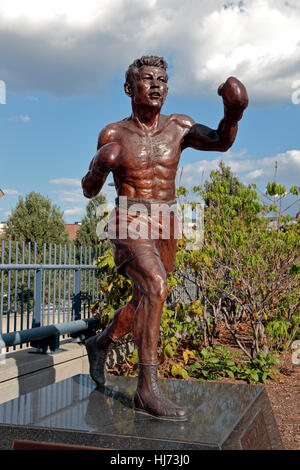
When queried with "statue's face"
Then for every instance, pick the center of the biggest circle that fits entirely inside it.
(149, 87)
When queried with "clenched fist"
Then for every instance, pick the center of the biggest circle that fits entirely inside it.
(235, 98)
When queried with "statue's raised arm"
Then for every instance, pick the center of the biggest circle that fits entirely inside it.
(235, 99)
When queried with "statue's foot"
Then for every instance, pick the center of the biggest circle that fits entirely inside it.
(97, 348)
(159, 407)
(150, 400)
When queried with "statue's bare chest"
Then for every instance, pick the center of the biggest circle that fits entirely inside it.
(148, 152)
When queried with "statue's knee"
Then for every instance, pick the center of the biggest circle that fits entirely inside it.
(159, 289)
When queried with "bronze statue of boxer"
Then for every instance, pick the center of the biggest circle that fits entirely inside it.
(143, 151)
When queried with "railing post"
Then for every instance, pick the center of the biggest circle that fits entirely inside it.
(36, 320)
(76, 295)
(51, 342)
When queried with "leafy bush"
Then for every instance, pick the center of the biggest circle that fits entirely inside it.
(115, 290)
(213, 363)
(246, 269)
(260, 369)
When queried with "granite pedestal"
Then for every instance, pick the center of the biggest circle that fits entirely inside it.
(73, 412)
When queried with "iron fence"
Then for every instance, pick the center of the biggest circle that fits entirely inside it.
(42, 286)
(48, 291)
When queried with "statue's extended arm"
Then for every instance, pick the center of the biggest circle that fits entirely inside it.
(105, 160)
(235, 101)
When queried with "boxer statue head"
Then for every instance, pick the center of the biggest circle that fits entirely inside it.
(146, 82)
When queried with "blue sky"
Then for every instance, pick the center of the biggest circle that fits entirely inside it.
(65, 83)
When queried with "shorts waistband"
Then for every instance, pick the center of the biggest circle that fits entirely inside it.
(148, 203)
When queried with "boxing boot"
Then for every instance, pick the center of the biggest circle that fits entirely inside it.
(150, 400)
(98, 347)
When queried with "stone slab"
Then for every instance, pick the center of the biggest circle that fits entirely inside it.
(19, 363)
(73, 412)
(16, 364)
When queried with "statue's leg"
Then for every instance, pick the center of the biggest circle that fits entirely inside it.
(148, 272)
(121, 323)
(98, 346)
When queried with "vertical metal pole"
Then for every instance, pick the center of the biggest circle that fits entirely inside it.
(49, 285)
(22, 287)
(69, 289)
(44, 284)
(97, 290)
(76, 295)
(8, 288)
(59, 285)
(85, 290)
(97, 278)
(64, 303)
(2, 286)
(28, 287)
(36, 321)
(80, 262)
(54, 288)
(76, 290)
(16, 288)
(93, 277)
(35, 290)
(90, 262)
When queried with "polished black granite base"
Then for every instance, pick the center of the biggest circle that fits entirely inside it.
(221, 416)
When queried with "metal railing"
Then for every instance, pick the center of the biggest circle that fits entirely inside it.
(46, 292)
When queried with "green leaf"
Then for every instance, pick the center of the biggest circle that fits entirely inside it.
(134, 357)
(184, 373)
(169, 350)
(230, 373)
(230, 363)
(195, 366)
(254, 375)
(264, 377)
(214, 360)
(174, 370)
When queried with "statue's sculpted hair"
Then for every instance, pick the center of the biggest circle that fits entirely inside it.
(150, 60)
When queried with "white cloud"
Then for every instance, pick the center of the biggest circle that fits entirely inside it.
(69, 48)
(66, 181)
(25, 118)
(249, 170)
(10, 192)
(20, 118)
(70, 195)
(255, 173)
(74, 211)
(72, 199)
(288, 172)
(75, 195)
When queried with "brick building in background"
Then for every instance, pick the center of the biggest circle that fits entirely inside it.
(3, 226)
(72, 229)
